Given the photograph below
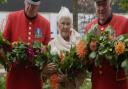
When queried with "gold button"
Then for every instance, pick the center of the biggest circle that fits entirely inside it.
(100, 66)
(29, 33)
(30, 28)
(29, 38)
(102, 29)
(28, 43)
(100, 72)
(30, 23)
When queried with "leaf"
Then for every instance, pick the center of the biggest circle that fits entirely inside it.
(37, 44)
(121, 38)
(108, 57)
(110, 30)
(103, 51)
(97, 60)
(92, 55)
(124, 64)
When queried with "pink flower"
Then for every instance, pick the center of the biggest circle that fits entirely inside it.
(43, 49)
(30, 54)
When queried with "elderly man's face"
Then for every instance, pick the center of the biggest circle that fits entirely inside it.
(103, 10)
(65, 27)
(31, 10)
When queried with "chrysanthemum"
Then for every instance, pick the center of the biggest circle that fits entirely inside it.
(61, 56)
(80, 49)
(54, 81)
(119, 47)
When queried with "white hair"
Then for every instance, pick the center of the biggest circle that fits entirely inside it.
(64, 12)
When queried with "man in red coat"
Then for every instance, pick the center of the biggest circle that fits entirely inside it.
(106, 76)
(27, 26)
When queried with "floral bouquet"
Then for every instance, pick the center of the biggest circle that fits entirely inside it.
(69, 63)
(23, 53)
(104, 44)
(121, 51)
(72, 62)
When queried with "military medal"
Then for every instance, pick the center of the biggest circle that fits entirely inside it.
(38, 33)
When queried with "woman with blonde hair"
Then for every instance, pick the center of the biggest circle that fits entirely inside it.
(67, 37)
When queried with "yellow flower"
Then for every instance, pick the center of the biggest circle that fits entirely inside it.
(80, 49)
(119, 47)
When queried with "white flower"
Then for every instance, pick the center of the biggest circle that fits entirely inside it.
(54, 51)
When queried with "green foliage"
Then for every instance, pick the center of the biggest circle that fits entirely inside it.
(3, 1)
(23, 53)
(114, 49)
(4, 46)
(87, 84)
(124, 4)
(2, 82)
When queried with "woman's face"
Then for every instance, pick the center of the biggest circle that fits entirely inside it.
(31, 10)
(65, 27)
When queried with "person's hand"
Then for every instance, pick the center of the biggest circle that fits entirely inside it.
(63, 78)
(49, 69)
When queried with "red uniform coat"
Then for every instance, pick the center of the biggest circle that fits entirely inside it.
(19, 28)
(104, 76)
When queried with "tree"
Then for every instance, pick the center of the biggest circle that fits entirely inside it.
(75, 14)
(84, 7)
(124, 4)
(3, 1)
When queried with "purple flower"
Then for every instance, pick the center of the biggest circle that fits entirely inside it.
(30, 53)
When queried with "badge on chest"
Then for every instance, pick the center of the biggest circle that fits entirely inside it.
(38, 33)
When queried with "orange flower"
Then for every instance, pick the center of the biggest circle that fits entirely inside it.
(80, 49)
(119, 47)
(93, 45)
(54, 81)
(15, 43)
(61, 56)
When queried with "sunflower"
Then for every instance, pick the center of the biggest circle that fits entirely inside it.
(81, 49)
(119, 47)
